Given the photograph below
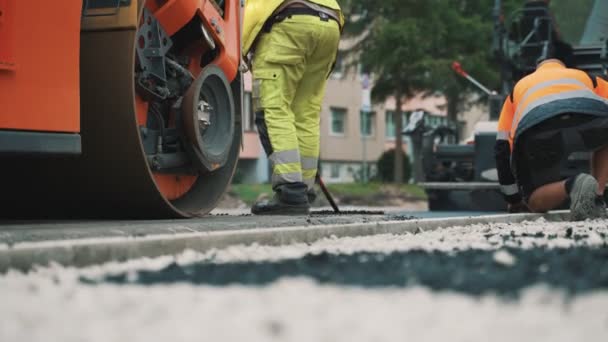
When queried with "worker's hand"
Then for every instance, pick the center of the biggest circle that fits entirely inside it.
(519, 207)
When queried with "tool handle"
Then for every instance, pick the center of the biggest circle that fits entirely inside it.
(458, 69)
(327, 194)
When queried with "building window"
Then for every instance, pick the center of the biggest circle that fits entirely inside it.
(338, 121)
(389, 131)
(368, 124)
(248, 114)
(334, 171)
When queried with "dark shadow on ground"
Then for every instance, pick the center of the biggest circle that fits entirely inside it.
(575, 270)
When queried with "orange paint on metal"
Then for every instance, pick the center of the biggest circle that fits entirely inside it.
(173, 15)
(227, 31)
(40, 44)
(141, 110)
(7, 58)
(174, 186)
(171, 186)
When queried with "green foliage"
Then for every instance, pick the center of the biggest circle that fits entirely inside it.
(413, 43)
(249, 193)
(386, 169)
(371, 189)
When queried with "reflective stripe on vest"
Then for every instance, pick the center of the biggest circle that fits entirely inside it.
(502, 135)
(509, 190)
(584, 92)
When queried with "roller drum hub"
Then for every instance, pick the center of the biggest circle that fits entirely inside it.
(208, 118)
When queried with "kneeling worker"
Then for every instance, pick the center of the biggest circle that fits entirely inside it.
(551, 113)
(294, 45)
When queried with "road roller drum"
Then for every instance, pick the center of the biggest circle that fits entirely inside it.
(160, 114)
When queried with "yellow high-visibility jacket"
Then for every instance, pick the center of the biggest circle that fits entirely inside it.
(258, 11)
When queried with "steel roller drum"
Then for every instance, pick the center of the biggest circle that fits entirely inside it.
(111, 179)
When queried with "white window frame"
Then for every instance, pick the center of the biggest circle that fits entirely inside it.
(344, 111)
(332, 168)
(373, 125)
(404, 118)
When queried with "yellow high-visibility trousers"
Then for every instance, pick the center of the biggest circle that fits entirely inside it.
(290, 70)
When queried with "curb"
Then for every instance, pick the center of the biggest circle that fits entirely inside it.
(84, 252)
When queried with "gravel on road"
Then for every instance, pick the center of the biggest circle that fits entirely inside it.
(534, 281)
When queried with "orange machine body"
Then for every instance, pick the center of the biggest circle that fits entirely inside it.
(175, 14)
(39, 65)
(91, 124)
(39, 56)
(225, 32)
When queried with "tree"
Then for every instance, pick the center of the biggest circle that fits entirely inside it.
(386, 171)
(412, 44)
(385, 59)
(393, 77)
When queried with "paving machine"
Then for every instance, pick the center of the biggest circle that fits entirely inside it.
(118, 108)
(463, 176)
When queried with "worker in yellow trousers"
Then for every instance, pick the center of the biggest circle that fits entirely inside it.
(293, 44)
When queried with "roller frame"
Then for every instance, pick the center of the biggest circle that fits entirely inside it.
(111, 178)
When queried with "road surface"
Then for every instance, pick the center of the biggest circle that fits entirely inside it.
(531, 281)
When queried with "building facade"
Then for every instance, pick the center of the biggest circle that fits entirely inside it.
(352, 140)
(253, 166)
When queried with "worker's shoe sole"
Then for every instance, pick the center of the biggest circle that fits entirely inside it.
(584, 202)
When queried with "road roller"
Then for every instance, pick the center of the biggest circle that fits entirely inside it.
(118, 109)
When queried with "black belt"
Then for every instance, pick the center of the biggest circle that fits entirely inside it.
(291, 11)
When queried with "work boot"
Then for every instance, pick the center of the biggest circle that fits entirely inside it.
(600, 207)
(584, 201)
(288, 199)
(312, 196)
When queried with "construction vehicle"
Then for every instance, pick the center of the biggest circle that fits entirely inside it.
(118, 108)
(463, 176)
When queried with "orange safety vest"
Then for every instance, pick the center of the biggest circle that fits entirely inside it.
(602, 88)
(540, 96)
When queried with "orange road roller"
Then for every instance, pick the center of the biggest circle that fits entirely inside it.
(118, 108)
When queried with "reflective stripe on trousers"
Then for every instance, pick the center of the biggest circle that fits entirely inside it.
(509, 190)
(286, 166)
(289, 73)
(309, 170)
